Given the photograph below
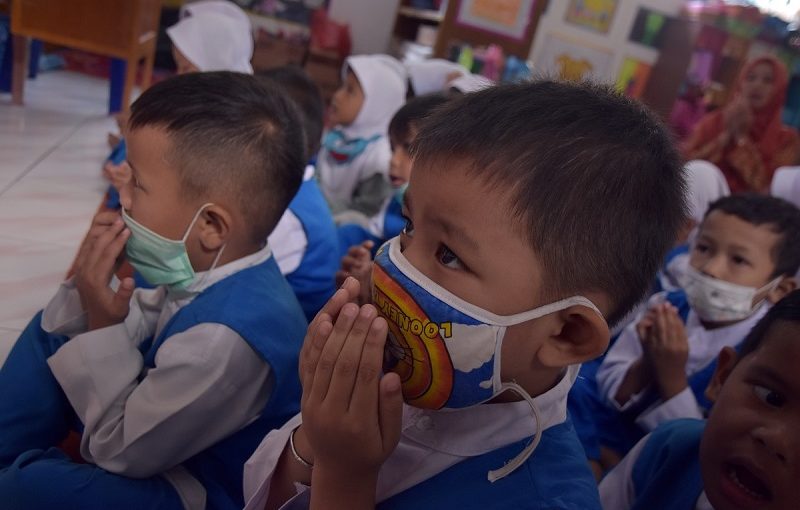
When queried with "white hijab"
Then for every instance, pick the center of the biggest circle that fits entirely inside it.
(431, 75)
(786, 184)
(383, 81)
(215, 35)
(706, 184)
(471, 83)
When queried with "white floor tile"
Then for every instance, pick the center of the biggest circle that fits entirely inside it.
(30, 274)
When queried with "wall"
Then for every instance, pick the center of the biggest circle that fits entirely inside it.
(371, 22)
(616, 40)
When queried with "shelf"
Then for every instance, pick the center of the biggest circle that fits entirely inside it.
(421, 14)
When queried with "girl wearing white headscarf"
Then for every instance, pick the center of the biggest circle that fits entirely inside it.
(353, 163)
(213, 35)
(433, 75)
(786, 184)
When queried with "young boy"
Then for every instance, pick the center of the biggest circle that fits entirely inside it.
(747, 455)
(304, 241)
(744, 259)
(171, 388)
(354, 161)
(500, 281)
(389, 221)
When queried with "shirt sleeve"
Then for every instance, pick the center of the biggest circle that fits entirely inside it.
(616, 489)
(259, 468)
(288, 242)
(64, 314)
(682, 405)
(616, 364)
(206, 384)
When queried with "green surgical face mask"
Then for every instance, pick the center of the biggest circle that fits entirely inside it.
(159, 260)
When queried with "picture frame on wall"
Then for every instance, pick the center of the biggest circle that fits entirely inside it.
(508, 19)
(572, 60)
(648, 27)
(633, 76)
(596, 15)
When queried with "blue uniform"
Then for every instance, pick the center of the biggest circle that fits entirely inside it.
(35, 415)
(313, 281)
(556, 476)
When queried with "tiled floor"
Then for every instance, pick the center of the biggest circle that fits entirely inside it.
(51, 151)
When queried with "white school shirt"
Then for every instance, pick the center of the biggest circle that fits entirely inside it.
(288, 239)
(208, 382)
(430, 442)
(704, 346)
(617, 491)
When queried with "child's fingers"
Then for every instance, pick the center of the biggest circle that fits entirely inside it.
(330, 352)
(101, 243)
(122, 297)
(310, 354)
(346, 294)
(391, 411)
(109, 253)
(349, 363)
(366, 390)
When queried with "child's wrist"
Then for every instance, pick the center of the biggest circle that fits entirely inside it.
(300, 448)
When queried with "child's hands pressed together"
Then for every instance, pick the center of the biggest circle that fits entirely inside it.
(358, 264)
(666, 348)
(351, 412)
(98, 258)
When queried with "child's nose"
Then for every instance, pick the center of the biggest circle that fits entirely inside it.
(775, 438)
(714, 267)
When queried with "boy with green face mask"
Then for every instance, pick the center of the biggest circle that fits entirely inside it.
(171, 388)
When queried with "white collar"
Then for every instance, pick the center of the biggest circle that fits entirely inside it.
(480, 429)
(309, 173)
(206, 279)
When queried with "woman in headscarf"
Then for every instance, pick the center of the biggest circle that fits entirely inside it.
(747, 139)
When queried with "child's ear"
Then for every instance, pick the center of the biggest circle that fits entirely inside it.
(725, 362)
(786, 285)
(581, 334)
(215, 226)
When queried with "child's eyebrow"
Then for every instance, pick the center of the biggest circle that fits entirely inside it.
(457, 232)
(771, 376)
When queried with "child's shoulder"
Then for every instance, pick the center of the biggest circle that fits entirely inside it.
(555, 476)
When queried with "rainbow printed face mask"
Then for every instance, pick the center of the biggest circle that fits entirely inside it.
(445, 350)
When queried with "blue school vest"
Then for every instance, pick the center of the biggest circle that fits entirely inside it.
(555, 476)
(667, 473)
(259, 305)
(313, 281)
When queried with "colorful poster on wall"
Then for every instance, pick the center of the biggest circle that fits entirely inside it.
(572, 60)
(506, 18)
(648, 27)
(596, 15)
(633, 77)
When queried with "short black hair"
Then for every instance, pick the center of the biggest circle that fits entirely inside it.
(596, 186)
(411, 113)
(785, 310)
(305, 93)
(779, 215)
(231, 136)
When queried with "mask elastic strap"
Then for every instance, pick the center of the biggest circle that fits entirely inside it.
(213, 266)
(513, 464)
(194, 220)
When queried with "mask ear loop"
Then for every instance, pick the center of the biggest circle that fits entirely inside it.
(513, 464)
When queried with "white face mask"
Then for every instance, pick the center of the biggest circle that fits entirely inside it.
(446, 350)
(715, 300)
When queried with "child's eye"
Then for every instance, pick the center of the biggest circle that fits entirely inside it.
(448, 258)
(739, 260)
(700, 248)
(769, 397)
(408, 229)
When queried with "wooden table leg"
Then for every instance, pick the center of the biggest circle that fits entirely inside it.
(20, 71)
